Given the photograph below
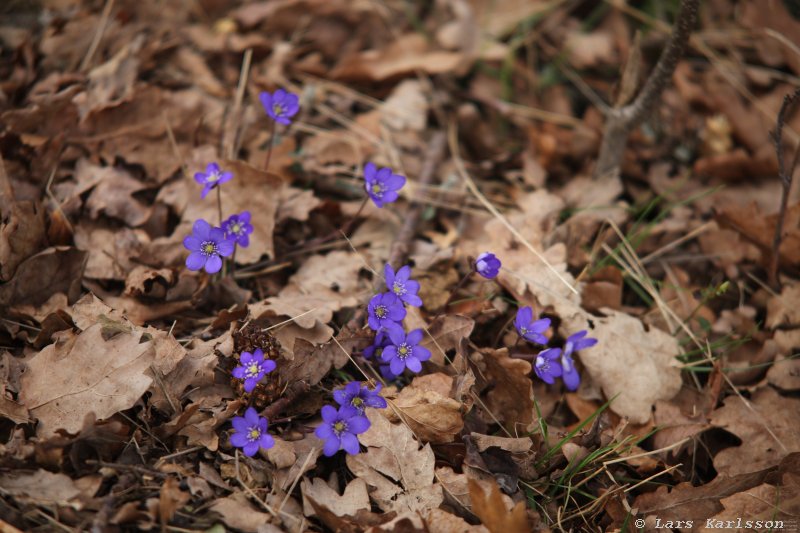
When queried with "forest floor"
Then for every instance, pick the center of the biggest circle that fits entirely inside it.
(120, 410)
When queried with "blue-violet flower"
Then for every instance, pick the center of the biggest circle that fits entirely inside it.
(575, 342)
(206, 244)
(382, 185)
(398, 283)
(487, 265)
(339, 429)
(385, 311)
(238, 228)
(280, 105)
(404, 352)
(252, 367)
(547, 366)
(354, 398)
(212, 177)
(381, 341)
(529, 329)
(251, 433)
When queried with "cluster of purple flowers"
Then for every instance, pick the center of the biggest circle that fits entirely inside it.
(207, 246)
(341, 426)
(552, 363)
(397, 349)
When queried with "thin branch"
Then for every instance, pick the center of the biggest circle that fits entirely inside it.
(621, 121)
(786, 176)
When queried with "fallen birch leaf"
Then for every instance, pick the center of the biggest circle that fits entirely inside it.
(492, 512)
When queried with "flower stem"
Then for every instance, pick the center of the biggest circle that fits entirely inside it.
(271, 144)
(233, 260)
(455, 291)
(219, 204)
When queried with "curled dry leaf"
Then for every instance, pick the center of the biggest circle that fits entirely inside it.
(510, 391)
(45, 488)
(57, 269)
(428, 410)
(445, 333)
(22, 234)
(492, 512)
(238, 513)
(400, 474)
(354, 498)
(104, 369)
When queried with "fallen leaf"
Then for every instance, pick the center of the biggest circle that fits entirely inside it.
(53, 270)
(353, 499)
(22, 234)
(238, 513)
(170, 499)
(492, 512)
(768, 426)
(400, 474)
(510, 391)
(45, 488)
(432, 416)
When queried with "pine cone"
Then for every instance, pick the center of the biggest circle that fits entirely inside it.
(249, 339)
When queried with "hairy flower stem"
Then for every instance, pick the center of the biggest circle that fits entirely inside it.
(271, 144)
(219, 204)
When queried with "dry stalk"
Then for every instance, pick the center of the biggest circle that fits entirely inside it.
(622, 119)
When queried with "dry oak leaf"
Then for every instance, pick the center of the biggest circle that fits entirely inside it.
(633, 366)
(354, 499)
(89, 372)
(56, 269)
(430, 413)
(323, 285)
(492, 512)
(445, 333)
(764, 503)
(238, 513)
(399, 472)
(440, 521)
(22, 232)
(769, 429)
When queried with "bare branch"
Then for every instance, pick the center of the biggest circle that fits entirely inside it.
(622, 120)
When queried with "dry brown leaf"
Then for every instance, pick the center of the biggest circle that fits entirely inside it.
(445, 334)
(492, 512)
(45, 488)
(22, 234)
(430, 413)
(90, 372)
(769, 431)
(170, 499)
(354, 498)
(238, 513)
(399, 472)
(111, 252)
(764, 503)
(510, 396)
(439, 521)
(759, 229)
(54, 270)
(296, 204)
(323, 285)
(634, 366)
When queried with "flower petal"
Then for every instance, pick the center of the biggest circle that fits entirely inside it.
(329, 413)
(266, 441)
(251, 449)
(414, 337)
(413, 364)
(350, 444)
(192, 243)
(213, 264)
(195, 261)
(397, 366)
(225, 247)
(331, 446)
(239, 439)
(323, 431)
(358, 424)
(201, 229)
(423, 354)
(239, 423)
(239, 372)
(251, 415)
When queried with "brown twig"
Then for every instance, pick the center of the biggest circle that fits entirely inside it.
(621, 120)
(786, 176)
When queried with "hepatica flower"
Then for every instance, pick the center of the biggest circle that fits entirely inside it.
(355, 397)
(399, 284)
(528, 329)
(207, 245)
(238, 228)
(381, 341)
(576, 341)
(487, 265)
(547, 366)
(251, 433)
(339, 429)
(404, 352)
(382, 185)
(252, 367)
(281, 106)
(385, 310)
(212, 177)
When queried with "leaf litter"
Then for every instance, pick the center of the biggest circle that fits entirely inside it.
(119, 403)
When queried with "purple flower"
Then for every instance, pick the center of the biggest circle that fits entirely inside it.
(382, 185)
(252, 367)
(386, 372)
(404, 353)
(206, 245)
(238, 228)
(354, 398)
(575, 342)
(212, 177)
(251, 433)
(280, 105)
(547, 366)
(487, 265)
(528, 329)
(339, 430)
(381, 341)
(398, 283)
(385, 311)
